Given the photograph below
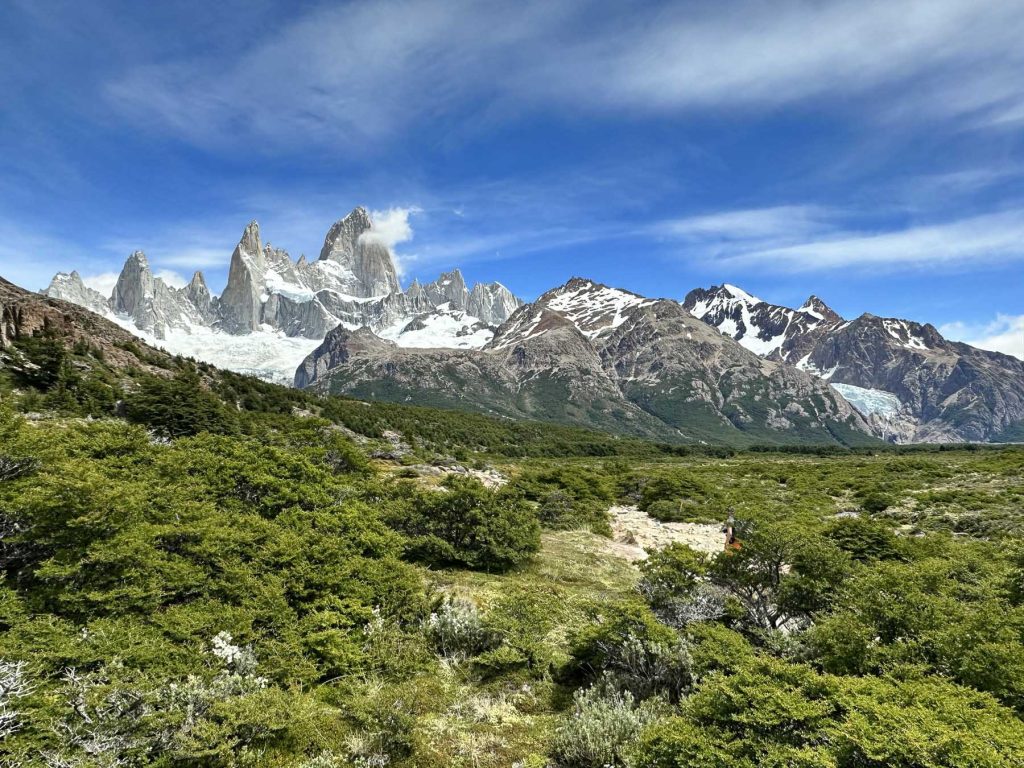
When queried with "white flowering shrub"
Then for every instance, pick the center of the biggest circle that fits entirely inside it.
(457, 630)
(645, 668)
(14, 684)
(239, 659)
(602, 727)
(110, 722)
(707, 602)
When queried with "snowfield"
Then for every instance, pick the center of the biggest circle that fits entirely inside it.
(266, 354)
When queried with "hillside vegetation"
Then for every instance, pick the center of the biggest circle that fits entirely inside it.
(200, 569)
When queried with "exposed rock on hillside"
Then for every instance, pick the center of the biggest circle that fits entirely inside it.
(588, 354)
(945, 390)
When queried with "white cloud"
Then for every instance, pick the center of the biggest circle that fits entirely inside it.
(103, 282)
(416, 60)
(989, 238)
(392, 226)
(1003, 334)
(808, 238)
(749, 228)
(172, 278)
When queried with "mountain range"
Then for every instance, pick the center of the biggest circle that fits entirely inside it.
(915, 385)
(274, 310)
(720, 366)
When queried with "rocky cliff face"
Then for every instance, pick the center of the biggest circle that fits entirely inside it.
(942, 390)
(353, 283)
(69, 287)
(366, 268)
(588, 354)
(23, 313)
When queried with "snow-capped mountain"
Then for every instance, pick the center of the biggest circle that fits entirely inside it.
(915, 385)
(273, 310)
(588, 354)
(768, 330)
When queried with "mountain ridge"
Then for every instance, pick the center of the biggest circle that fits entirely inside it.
(631, 355)
(946, 390)
(589, 354)
(267, 296)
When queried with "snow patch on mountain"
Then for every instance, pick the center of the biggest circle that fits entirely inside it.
(266, 353)
(596, 309)
(444, 328)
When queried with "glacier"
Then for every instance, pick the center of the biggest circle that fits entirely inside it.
(869, 401)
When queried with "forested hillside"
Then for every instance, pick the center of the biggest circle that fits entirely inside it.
(200, 569)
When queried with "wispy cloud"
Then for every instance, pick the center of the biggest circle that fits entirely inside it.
(104, 282)
(1003, 334)
(808, 238)
(727, 233)
(172, 278)
(365, 71)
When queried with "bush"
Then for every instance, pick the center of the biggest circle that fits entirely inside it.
(457, 631)
(628, 649)
(468, 525)
(602, 728)
(178, 407)
(864, 539)
(569, 497)
(875, 503)
(674, 488)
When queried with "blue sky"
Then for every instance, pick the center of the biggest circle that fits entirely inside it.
(869, 152)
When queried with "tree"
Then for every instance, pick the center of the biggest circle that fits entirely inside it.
(179, 407)
(780, 573)
(469, 525)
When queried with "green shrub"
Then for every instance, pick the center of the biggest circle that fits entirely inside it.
(864, 539)
(674, 488)
(468, 525)
(178, 407)
(875, 502)
(601, 729)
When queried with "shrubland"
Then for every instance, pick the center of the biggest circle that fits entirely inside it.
(200, 569)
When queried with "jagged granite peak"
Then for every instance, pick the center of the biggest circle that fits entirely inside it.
(415, 290)
(199, 294)
(493, 303)
(342, 237)
(150, 303)
(367, 268)
(449, 288)
(250, 242)
(267, 293)
(944, 391)
(240, 303)
(70, 287)
(134, 286)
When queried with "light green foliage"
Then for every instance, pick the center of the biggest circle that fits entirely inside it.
(772, 713)
(600, 728)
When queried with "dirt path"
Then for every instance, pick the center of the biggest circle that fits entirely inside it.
(634, 532)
